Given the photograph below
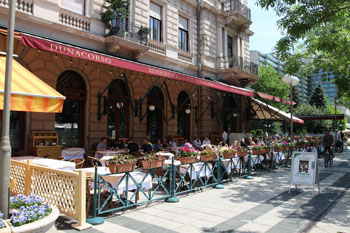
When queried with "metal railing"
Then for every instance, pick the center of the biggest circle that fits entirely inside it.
(236, 5)
(129, 31)
(243, 64)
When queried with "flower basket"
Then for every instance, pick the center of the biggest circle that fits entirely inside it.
(265, 150)
(118, 168)
(148, 164)
(277, 149)
(46, 224)
(206, 158)
(6, 229)
(187, 160)
(284, 148)
(257, 152)
(228, 155)
(242, 153)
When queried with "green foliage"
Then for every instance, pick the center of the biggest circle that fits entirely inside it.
(318, 98)
(115, 8)
(123, 159)
(271, 83)
(259, 132)
(315, 29)
(315, 126)
(338, 123)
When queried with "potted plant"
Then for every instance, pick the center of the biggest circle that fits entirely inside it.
(257, 150)
(285, 146)
(152, 160)
(291, 146)
(4, 227)
(241, 152)
(207, 155)
(122, 163)
(31, 214)
(188, 154)
(229, 154)
(265, 149)
(115, 15)
(277, 147)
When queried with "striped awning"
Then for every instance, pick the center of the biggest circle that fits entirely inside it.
(28, 92)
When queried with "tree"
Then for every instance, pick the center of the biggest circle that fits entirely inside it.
(316, 29)
(271, 83)
(318, 98)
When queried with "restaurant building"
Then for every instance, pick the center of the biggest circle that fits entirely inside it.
(169, 68)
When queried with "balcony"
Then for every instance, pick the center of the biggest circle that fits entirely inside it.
(236, 13)
(127, 38)
(240, 71)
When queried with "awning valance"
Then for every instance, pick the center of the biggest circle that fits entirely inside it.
(264, 111)
(28, 92)
(322, 117)
(274, 98)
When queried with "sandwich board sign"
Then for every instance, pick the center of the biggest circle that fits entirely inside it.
(304, 170)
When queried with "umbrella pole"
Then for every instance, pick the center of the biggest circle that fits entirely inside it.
(5, 146)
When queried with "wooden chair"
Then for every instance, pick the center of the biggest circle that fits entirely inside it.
(92, 161)
(90, 195)
(78, 162)
(61, 158)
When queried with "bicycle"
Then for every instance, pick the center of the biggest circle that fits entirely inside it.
(328, 158)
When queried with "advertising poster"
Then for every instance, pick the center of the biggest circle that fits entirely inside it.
(304, 168)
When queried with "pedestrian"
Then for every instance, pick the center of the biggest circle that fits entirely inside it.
(225, 137)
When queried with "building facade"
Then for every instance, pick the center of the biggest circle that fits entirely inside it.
(140, 95)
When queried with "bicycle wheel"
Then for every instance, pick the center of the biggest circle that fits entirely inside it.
(330, 160)
(325, 159)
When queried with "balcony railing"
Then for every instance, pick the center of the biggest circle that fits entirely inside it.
(236, 5)
(129, 31)
(243, 64)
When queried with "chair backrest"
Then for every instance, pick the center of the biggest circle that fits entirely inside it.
(92, 160)
(79, 163)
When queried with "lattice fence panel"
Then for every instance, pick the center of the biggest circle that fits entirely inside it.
(58, 188)
(17, 172)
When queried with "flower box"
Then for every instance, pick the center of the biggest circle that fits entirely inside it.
(265, 150)
(187, 160)
(228, 155)
(46, 224)
(148, 164)
(284, 148)
(6, 229)
(277, 149)
(118, 168)
(242, 153)
(206, 158)
(257, 152)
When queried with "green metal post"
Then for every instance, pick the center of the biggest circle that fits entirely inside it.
(219, 186)
(249, 165)
(272, 167)
(95, 220)
(172, 198)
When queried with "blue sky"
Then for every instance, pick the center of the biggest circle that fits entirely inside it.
(264, 26)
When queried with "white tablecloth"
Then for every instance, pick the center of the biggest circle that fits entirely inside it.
(73, 153)
(165, 154)
(115, 178)
(278, 156)
(102, 153)
(256, 159)
(168, 162)
(106, 158)
(50, 163)
(196, 170)
(236, 164)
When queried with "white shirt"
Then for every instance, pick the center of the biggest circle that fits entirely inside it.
(338, 136)
(206, 142)
(196, 143)
(225, 136)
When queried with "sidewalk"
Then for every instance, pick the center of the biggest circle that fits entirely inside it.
(259, 205)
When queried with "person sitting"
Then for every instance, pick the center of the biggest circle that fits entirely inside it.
(172, 143)
(122, 143)
(196, 142)
(132, 146)
(206, 141)
(165, 144)
(243, 143)
(146, 147)
(102, 145)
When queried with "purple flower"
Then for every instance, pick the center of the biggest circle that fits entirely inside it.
(1, 215)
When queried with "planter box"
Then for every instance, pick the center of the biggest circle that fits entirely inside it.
(265, 150)
(7, 228)
(257, 152)
(148, 164)
(206, 158)
(46, 224)
(228, 155)
(187, 160)
(277, 149)
(242, 153)
(284, 148)
(117, 168)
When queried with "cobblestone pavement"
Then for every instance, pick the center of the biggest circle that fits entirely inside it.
(258, 205)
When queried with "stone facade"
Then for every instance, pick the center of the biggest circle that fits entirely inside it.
(52, 20)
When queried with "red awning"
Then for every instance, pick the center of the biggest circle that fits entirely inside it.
(68, 50)
(274, 98)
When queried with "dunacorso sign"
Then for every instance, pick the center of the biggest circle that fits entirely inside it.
(64, 49)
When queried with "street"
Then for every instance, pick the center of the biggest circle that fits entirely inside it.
(259, 205)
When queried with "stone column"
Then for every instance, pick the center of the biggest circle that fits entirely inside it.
(219, 54)
(225, 48)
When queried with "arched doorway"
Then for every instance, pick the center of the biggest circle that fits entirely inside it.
(155, 104)
(70, 123)
(117, 110)
(184, 115)
(230, 113)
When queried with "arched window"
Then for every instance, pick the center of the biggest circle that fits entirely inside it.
(155, 104)
(70, 123)
(118, 110)
(184, 115)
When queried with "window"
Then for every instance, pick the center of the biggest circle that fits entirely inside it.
(77, 6)
(183, 33)
(229, 46)
(155, 22)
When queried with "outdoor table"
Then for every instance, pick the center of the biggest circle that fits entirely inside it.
(165, 154)
(169, 162)
(50, 163)
(115, 178)
(279, 156)
(197, 169)
(257, 159)
(73, 153)
(236, 164)
(102, 153)
(106, 158)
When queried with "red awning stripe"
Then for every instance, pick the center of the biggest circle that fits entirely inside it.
(274, 98)
(64, 49)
